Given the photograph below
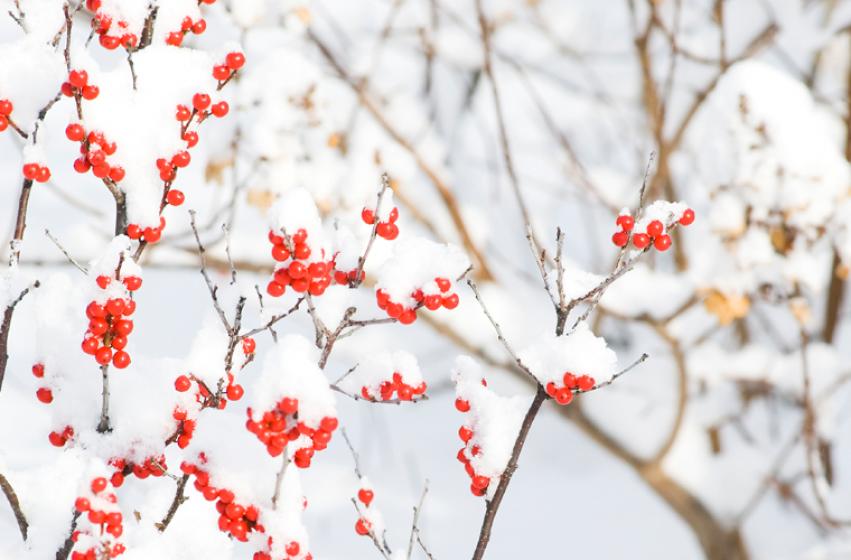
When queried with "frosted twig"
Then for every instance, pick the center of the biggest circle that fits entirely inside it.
(104, 425)
(355, 456)
(279, 478)
(273, 320)
(79, 267)
(210, 286)
(415, 530)
(226, 232)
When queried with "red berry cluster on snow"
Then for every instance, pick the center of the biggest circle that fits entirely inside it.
(185, 427)
(105, 522)
(478, 483)
(236, 519)
(43, 394)
(404, 391)
(295, 269)
(225, 71)
(36, 172)
(292, 550)
(563, 394)
(151, 466)
(111, 37)
(363, 526)
(95, 148)
(385, 229)
(203, 396)
(279, 426)
(78, 85)
(654, 233)
(109, 326)
(431, 301)
(148, 234)
(187, 26)
(6, 108)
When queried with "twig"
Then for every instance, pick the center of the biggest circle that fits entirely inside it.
(178, 500)
(79, 267)
(614, 378)
(355, 456)
(210, 286)
(65, 550)
(6, 326)
(499, 334)
(15, 504)
(414, 525)
(279, 478)
(271, 322)
(493, 505)
(103, 424)
(385, 184)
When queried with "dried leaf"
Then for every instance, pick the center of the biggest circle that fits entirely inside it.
(727, 307)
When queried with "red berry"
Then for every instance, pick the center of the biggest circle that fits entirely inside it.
(235, 392)
(564, 396)
(191, 138)
(625, 222)
(116, 173)
(78, 78)
(133, 283)
(221, 72)
(45, 395)
(368, 216)
(182, 384)
(687, 218)
(620, 238)
(199, 27)
(481, 482)
(30, 170)
(90, 345)
(91, 92)
(362, 527)
(175, 197)
(183, 113)
(248, 345)
(4, 123)
(235, 60)
(640, 240)
(181, 159)
(38, 370)
(662, 243)
(103, 355)
(465, 433)
(365, 496)
(655, 228)
(274, 289)
(5, 107)
(175, 38)
(585, 382)
(450, 301)
(99, 485)
(82, 504)
(462, 405)
(220, 109)
(407, 316)
(292, 549)
(201, 101)
(75, 132)
(56, 439)
(121, 359)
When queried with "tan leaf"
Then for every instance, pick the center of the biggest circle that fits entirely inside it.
(727, 307)
(262, 199)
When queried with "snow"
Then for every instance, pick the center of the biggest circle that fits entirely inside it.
(415, 264)
(579, 352)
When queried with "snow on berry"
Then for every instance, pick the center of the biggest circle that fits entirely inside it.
(100, 523)
(293, 407)
(387, 375)
(571, 363)
(421, 273)
(299, 245)
(491, 424)
(370, 520)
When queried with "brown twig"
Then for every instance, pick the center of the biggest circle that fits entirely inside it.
(6, 327)
(176, 502)
(15, 504)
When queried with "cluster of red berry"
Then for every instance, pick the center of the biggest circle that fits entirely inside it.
(301, 275)
(397, 385)
(43, 394)
(148, 234)
(225, 71)
(233, 391)
(279, 426)
(104, 522)
(36, 172)
(59, 439)
(478, 483)
(6, 108)
(292, 551)
(78, 85)
(432, 302)
(343, 278)
(95, 149)
(363, 526)
(572, 384)
(236, 519)
(175, 38)
(151, 466)
(109, 327)
(654, 233)
(185, 427)
(102, 24)
(385, 229)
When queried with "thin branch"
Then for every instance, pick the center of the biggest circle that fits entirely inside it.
(385, 184)
(414, 525)
(279, 478)
(271, 322)
(104, 424)
(176, 502)
(210, 286)
(499, 334)
(6, 327)
(614, 378)
(15, 504)
(56, 242)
